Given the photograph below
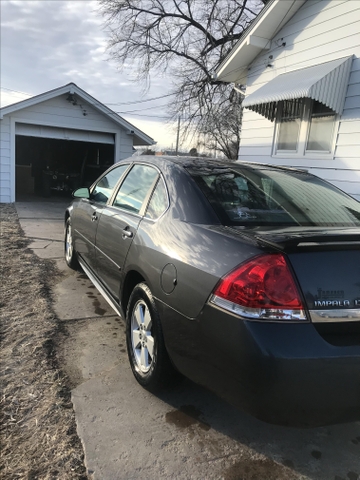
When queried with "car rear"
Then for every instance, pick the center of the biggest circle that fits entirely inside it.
(287, 321)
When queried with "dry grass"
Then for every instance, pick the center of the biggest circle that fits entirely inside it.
(38, 435)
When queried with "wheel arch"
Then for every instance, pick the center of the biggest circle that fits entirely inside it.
(133, 278)
(67, 215)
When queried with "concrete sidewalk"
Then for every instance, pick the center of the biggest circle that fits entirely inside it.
(43, 223)
(187, 433)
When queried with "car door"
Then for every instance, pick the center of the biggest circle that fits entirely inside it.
(119, 222)
(88, 212)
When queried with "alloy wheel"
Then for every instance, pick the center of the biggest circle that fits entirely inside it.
(141, 336)
(68, 244)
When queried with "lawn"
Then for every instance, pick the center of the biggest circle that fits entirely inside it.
(38, 431)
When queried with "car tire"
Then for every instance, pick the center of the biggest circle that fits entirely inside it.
(70, 254)
(149, 360)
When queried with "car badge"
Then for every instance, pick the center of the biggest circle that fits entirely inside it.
(332, 303)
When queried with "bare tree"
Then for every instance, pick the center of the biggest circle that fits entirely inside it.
(187, 38)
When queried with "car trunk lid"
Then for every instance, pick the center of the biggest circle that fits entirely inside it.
(326, 264)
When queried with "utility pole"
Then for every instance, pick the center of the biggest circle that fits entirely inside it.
(177, 137)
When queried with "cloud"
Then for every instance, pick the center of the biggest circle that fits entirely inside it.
(46, 44)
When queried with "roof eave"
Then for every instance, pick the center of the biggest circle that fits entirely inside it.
(256, 38)
(42, 97)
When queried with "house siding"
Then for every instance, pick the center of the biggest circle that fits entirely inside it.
(321, 31)
(58, 112)
(125, 146)
(5, 163)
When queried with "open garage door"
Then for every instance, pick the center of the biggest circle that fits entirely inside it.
(52, 160)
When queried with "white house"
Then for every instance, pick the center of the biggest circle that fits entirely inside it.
(300, 62)
(63, 128)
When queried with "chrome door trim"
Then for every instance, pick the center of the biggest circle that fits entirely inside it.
(107, 256)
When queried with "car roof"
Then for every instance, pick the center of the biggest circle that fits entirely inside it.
(191, 162)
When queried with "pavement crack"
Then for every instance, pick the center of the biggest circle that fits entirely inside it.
(74, 320)
(45, 239)
(37, 218)
(220, 457)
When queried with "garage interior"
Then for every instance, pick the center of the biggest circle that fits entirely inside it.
(55, 167)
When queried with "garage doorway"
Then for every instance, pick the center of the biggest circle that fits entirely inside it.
(55, 167)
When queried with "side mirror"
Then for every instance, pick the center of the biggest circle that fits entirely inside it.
(83, 192)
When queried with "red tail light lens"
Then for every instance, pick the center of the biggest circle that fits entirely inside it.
(263, 288)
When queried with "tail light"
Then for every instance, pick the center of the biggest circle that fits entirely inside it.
(262, 288)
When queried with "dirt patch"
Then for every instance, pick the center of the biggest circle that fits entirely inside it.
(38, 432)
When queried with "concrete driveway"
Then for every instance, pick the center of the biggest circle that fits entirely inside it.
(187, 433)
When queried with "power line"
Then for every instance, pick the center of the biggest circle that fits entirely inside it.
(143, 109)
(150, 116)
(131, 112)
(119, 103)
(142, 101)
(17, 91)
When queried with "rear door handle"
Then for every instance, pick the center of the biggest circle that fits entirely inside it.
(94, 217)
(126, 233)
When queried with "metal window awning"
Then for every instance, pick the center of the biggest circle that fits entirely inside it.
(327, 83)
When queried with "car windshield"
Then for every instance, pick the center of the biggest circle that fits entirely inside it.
(265, 196)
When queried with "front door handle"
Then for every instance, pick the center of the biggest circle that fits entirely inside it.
(126, 233)
(94, 217)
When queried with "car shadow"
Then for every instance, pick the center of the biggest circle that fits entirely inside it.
(332, 450)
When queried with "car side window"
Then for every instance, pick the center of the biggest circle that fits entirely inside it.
(105, 186)
(158, 202)
(135, 188)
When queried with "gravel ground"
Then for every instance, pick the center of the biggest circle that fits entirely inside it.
(38, 433)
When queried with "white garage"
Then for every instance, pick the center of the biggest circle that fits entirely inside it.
(59, 140)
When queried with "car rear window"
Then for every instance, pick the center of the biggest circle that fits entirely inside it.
(275, 197)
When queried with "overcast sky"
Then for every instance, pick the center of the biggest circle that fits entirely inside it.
(48, 43)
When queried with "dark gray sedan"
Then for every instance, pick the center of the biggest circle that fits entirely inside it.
(243, 277)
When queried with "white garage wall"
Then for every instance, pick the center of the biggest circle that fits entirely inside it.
(63, 133)
(58, 112)
(5, 162)
(322, 30)
(125, 147)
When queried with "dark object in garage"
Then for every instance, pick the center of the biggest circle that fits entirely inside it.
(53, 180)
(25, 182)
(73, 163)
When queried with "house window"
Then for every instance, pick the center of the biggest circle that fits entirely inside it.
(289, 125)
(321, 128)
(304, 127)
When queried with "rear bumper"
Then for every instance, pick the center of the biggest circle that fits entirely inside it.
(316, 387)
(281, 373)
